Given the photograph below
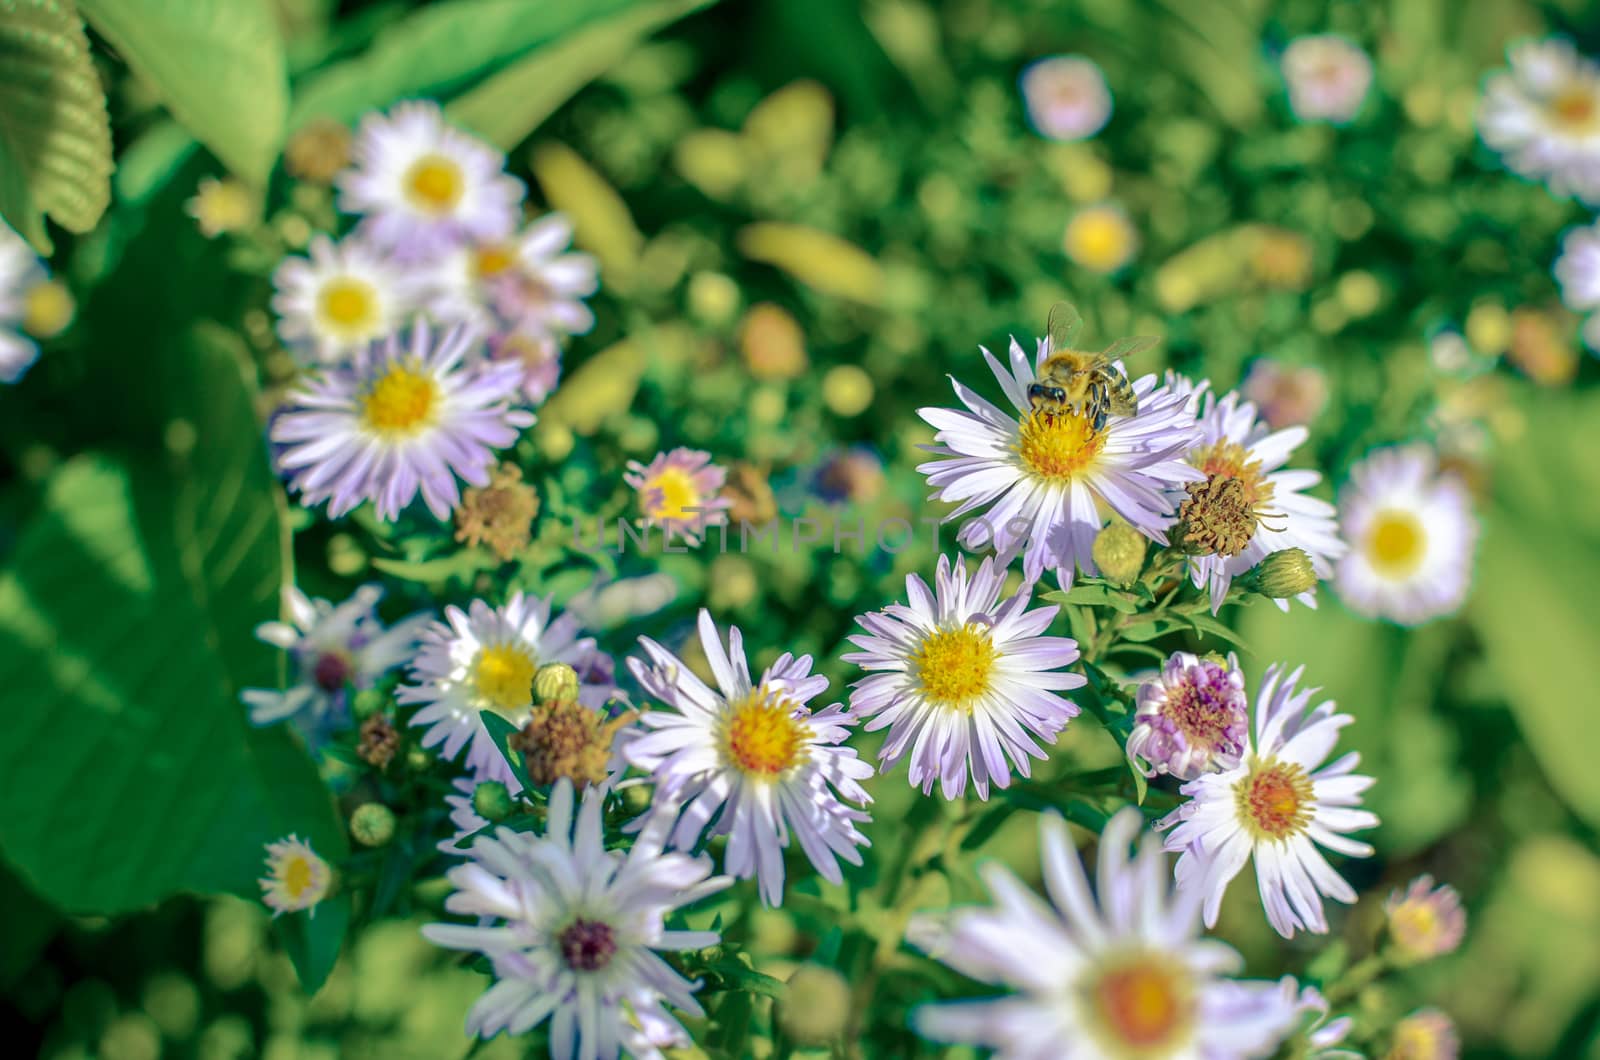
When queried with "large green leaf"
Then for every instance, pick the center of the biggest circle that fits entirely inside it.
(506, 107)
(55, 139)
(439, 50)
(126, 618)
(218, 65)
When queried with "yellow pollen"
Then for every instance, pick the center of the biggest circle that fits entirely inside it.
(503, 677)
(1395, 542)
(678, 494)
(434, 184)
(400, 403)
(1143, 1004)
(761, 738)
(492, 259)
(1575, 108)
(297, 877)
(1058, 445)
(954, 665)
(349, 304)
(1274, 800)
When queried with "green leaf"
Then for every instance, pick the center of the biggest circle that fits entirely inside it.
(55, 138)
(313, 942)
(1094, 594)
(218, 65)
(1206, 624)
(509, 105)
(502, 731)
(127, 617)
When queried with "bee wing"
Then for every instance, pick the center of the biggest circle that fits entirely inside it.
(1065, 323)
(1124, 348)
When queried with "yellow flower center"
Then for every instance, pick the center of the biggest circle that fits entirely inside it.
(47, 309)
(1396, 542)
(349, 304)
(400, 403)
(954, 665)
(678, 494)
(434, 184)
(502, 675)
(1414, 925)
(297, 877)
(761, 738)
(1057, 446)
(1143, 1005)
(1576, 110)
(1274, 800)
(492, 259)
(1099, 240)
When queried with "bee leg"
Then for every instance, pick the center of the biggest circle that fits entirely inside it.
(1097, 404)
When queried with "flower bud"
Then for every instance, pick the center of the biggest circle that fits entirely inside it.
(492, 801)
(1283, 574)
(1119, 553)
(555, 683)
(816, 1006)
(372, 825)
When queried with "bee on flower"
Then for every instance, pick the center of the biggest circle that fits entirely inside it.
(297, 879)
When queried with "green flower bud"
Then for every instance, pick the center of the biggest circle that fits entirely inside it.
(1119, 553)
(1282, 574)
(816, 1006)
(555, 683)
(492, 801)
(372, 825)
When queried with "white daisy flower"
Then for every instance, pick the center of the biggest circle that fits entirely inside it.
(1328, 78)
(1265, 512)
(343, 296)
(1047, 479)
(532, 281)
(1066, 97)
(424, 186)
(335, 650)
(963, 682)
(296, 877)
(21, 273)
(1276, 807)
(484, 659)
(406, 416)
(1107, 976)
(1577, 270)
(1411, 533)
(575, 932)
(751, 760)
(1543, 116)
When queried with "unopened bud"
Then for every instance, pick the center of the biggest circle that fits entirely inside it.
(555, 683)
(816, 1006)
(492, 801)
(1119, 553)
(372, 825)
(1283, 574)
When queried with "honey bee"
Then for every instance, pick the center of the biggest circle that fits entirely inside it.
(1087, 384)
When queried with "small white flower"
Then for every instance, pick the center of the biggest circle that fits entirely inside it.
(963, 682)
(1110, 976)
(1543, 116)
(1066, 97)
(1277, 807)
(1411, 534)
(342, 297)
(424, 186)
(575, 932)
(21, 272)
(1328, 78)
(296, 877)
(533, 282)
(751, 760)
(1578, 273)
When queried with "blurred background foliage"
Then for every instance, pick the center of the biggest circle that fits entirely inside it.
(807, 212)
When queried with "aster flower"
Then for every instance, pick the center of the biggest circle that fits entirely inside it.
(424, 186)
(404, 417)
(1117, 974)
(575, 932)
(342, 297)
(537, 353)
(1411, 535)
(1426, 1034)
(1424, 921)
(296, 877)
(1277, 807)
(334, 650)
(1325, 1035)
(221, 206)
(485, 659)
(1328, 78)
(750, 759)
(1577, 270)
(672, 485)
(21, 273)
(1249, 505)
(963, 682)
(1543, 116)
(1052, 476)
(1192, 717)
(1066, 97)
(532, 281)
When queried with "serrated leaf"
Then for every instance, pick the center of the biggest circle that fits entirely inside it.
(218, 65)
(55, 138)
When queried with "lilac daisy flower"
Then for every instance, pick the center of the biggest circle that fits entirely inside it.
(403, 417)
(1047, 479)
(1192, 717)
(678, 491)
(964, 683)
